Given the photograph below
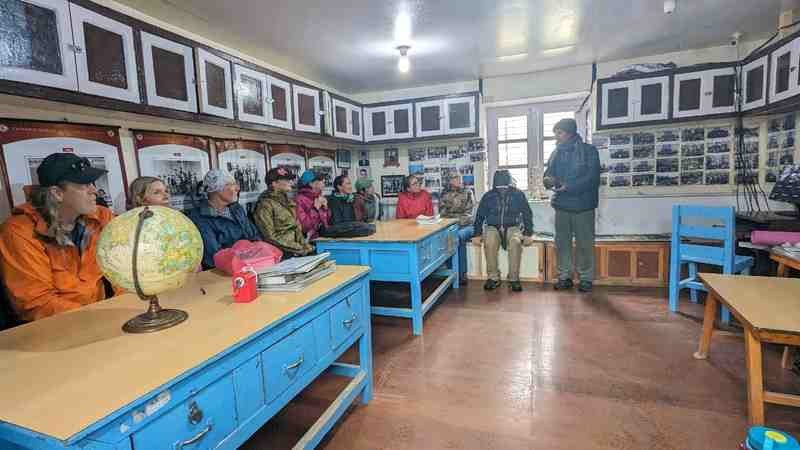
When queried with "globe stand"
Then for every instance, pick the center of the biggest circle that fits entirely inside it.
(156, 318)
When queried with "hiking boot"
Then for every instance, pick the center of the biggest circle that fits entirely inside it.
(516, 286)
(585, 286)
(491, 285)
(563, 284)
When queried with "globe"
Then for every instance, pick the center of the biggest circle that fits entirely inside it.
(170, 248)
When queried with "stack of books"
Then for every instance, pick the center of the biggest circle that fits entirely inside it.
(295, 274)
(428, 220)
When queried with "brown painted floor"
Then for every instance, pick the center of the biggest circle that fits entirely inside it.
(544, 370)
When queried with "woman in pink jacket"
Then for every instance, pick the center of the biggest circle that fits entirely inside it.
(312, 207)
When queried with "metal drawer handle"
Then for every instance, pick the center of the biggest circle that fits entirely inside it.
(192, 440)
(294, 365)
(349, 322)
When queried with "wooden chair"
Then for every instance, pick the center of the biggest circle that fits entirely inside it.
(717, 225)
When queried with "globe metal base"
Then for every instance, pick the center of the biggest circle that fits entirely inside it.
(155, 319)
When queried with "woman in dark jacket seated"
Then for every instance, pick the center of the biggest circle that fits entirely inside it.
(340, 203)
(221, 219)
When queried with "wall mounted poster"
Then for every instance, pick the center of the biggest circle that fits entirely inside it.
(290, 157)
(391, 157)
(180, 160)
(321, 161)
(343, 158)
(25, 144)
(391, 185)
(247, 162)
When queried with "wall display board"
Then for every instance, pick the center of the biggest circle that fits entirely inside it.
(322, 161)
(391, 185)
(247, 162)
(179, 160)
(780, 145)
(24, 144)
(290, 157)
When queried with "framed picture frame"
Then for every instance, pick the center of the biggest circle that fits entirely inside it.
(290, 157)
(24, 144)
(321, 161)
(179, 160)
(343, 158)
(391, 185)
(247, 162)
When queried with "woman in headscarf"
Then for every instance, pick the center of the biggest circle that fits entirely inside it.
(312, 206)
(367, 204)
(220, 218)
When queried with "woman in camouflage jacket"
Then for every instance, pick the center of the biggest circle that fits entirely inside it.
(457, 202)
(276, 217)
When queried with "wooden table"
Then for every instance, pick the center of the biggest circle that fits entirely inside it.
(785, 262)
(77, 381)
(404, 251)
(768, 309)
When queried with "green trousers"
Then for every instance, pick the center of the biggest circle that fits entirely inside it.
(578, 225)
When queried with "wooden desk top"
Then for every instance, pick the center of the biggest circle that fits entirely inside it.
(770, 304)
(398, 230)
(62, 374)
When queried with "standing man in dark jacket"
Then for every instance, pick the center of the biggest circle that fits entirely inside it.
(504, 209)
(573, 172)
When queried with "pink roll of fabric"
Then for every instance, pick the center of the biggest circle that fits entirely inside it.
(761, 237)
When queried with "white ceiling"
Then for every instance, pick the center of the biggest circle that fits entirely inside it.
(351, 43)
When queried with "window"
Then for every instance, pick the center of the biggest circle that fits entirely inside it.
(512, 148)
(521, 140)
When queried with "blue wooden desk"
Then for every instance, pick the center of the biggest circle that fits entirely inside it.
(402, 250)
(76, 381)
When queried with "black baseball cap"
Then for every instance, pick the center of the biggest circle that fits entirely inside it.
(60, 167)
(279, 173)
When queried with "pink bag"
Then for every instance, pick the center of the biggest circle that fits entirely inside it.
(256, 254)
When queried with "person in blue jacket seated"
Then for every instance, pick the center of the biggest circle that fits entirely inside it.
(220, 218)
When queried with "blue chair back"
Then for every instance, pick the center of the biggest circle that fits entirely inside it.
(713, 223)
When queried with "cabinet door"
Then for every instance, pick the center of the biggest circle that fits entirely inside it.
(251, 89)
(784, 70)
(688, 94)
(216, 97)
(430, 118)
(279, 99)
(356, 124)
(754, 84)
(719, 91)
(377, 124)
(341, 119)
(459, 115)
(400, 121)
(306, 109)
(105, 56)
(42, 51)
(649, 265)
(616, 105)
(168, 73)
(651, 101)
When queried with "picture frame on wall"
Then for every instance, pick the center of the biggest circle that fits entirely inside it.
(321, 162)
(246, 161)
(25, 144)
(290, 157)
(179, 160)
(343, 158)
(391, 185)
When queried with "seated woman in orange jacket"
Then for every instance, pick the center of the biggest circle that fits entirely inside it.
(47, 247)
(414, 201)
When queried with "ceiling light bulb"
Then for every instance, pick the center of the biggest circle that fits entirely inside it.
(669, 6)
(404, 63)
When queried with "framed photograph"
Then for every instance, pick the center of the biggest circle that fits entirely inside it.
(599, 140)
(476, 145)
(477, 157)
(391, 157)
(391, 185)
(437, 153)
(788, 139)
(719, 147)
(718, 133)
(321, 162)
(668, 136)
(717, 178)
(363, 158)
(25, 144)
(416, 169)
(247, 162)
(343, 159)
(644, 138)
(693, 149)
(693, 134)
(456, 153)
(467, 169)
(667, 150)
(644, 151)
(688, 164)
(774, 141)
(290, 157)
(469, 180)
(667, 165)
(643, 180)
(718, 162)
(620, 167)
(619, 153)
(620, 139)
(179, 160)
(417, 154)
(620, 181)
(667, 180)
(644, 166)
(691, 178)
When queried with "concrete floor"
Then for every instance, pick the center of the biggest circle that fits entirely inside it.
(544, 370)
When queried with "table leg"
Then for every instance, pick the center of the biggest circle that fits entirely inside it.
(708, 326)
(755, 379)
(781, 270)
(416, 306)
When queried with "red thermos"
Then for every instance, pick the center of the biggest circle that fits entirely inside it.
(244, 285)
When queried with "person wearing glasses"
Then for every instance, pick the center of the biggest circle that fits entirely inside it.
(220, 218)
(47, 246)
(413, 201)
(149, 191)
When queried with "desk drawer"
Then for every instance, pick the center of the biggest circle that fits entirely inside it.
(287, 361)
(200, 423)
(346, 317)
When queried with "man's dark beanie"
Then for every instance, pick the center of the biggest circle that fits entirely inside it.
(567, 126)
